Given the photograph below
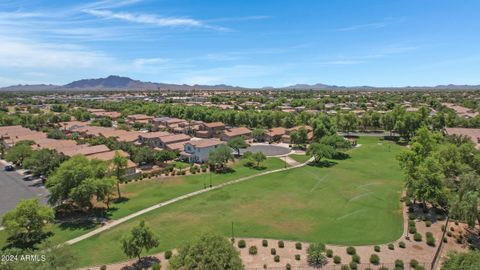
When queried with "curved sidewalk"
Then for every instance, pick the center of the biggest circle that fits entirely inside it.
(180, 198)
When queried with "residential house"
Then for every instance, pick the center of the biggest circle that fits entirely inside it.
(236, 132)
(152, 139)
(210, 130)
(275, 134)
(130, 170)
(139, 118)
(171, 139)
(197, 151)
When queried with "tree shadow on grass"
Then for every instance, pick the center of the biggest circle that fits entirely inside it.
(32, 244)
(323, 163)
(86, 224)
(225, 170)
(341, 156)
(143, 263)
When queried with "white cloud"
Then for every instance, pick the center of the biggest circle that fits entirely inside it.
(150, 19)
(20, 53)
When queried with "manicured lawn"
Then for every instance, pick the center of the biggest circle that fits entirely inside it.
(145, 193)
(299, 158)
(354, 202)
(181, 165)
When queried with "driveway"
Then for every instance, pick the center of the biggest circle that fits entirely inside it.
(13, 189)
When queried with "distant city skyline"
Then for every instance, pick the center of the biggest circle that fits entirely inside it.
(246, 43)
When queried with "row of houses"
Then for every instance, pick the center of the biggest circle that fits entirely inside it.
(190, 148)
(10, 135)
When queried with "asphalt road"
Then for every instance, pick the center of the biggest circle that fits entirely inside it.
(13, 189)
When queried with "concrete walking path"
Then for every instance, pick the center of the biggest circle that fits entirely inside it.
(180, 198)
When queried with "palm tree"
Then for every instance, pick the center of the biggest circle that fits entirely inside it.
(119, 164)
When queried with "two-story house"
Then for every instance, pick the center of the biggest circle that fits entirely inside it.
(198, 151)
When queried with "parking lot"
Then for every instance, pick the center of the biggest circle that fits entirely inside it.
(13, 188)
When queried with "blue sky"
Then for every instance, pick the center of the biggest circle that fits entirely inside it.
(250, 43)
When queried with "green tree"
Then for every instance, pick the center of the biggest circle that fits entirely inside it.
(56, 134)
(219, 157)
(237, 143)
(320, 151)
(19, 152)
(299, 137)
(349, 122)
(208, 252)
(24, 224)
(140, 237)
(462, 261)
(465, 202)
(119, 165)
(43, 161)
(68, 183)
(258, 157)
(259, 134)
(315, 257)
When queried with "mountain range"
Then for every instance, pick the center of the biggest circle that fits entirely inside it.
(114, 82)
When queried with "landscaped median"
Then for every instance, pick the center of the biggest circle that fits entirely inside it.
(355, 201)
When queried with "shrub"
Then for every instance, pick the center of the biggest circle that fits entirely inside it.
(156, 266)
(252, 250)
(298, 245)
(344, 267)
(276, 258)
(337, 259)
(374, 259)
(265, 243)
(411, 223)
(399, 264)
(351, 250)
(401, 244)
(242, 244)
(445, 240)
(297, 257)
(411, 216)
(383, 268)
(103, 267)
(315, 255)
(168, 254)
(413, 263)
(428, 223)
(391, 246)
(449, 234)
(430, 239)
(412, 229)
(452, 229)
(420, 268)
(273, 251)
(288, 267)
(356, 258)
(353, 266)
(376, 248)
(329, 253)
(281, 244)
(417, 237)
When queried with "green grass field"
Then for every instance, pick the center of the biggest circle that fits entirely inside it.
(145, 193)
(299, 158)
(354, 202)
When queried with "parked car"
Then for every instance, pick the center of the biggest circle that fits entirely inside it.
(27, 172)
(9, 168)
(27, 177)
